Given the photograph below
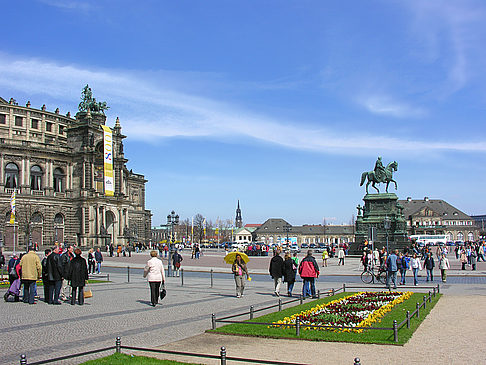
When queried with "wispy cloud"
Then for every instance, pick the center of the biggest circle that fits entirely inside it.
(150, 110)
(68, 4)
(385, 105)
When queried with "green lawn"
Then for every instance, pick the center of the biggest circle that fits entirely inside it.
(121, 359)
(367, 336)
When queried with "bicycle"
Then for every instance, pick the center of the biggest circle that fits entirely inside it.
(370, 275)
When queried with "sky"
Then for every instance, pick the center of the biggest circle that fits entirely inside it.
(281, 105)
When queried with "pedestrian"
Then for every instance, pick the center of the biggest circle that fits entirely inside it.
(325, 256)
(341, 256)
(91, 261)
(309, 271)
(239, 270)
(2, 260)
(99, 259)
(473, 259)
(290, 269)
(112, 249)
(176, 262)
(54, 275)
(31, 267)
(392, 268)
(155, 274)
(481, 252)
(463, 259)
(429, 265)
(364, 260)
(376, 256)
(14, 279)
(45, 276)
(78, 276)
(66, 258)
(404, 268)
(444, 266)
(415, 266)
(276, 271)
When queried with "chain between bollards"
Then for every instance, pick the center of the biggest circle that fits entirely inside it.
(118, 345)
(223, 355)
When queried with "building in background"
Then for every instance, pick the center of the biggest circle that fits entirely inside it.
(435, 216)
(70, 178)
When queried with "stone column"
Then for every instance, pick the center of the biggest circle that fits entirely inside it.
(2, 173)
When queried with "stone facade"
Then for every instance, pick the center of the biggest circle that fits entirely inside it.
(55, 165)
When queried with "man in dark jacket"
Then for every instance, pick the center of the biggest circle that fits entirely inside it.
(78, 276)
(276, 270)
(429, 265)
(309, 271)
(66, 258)
(54, 274)
(45, 275)
(392, 268)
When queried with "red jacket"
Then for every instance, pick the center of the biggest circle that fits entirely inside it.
(308, 268)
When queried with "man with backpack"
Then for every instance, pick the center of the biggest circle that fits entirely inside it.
(309, 271)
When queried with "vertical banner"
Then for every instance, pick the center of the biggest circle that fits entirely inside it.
(12, 208)
(192, 230)
(108, 160)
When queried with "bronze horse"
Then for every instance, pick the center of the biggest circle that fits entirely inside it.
(370, 175)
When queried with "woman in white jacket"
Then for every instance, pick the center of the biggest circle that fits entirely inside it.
(154, 272)
(415, 266)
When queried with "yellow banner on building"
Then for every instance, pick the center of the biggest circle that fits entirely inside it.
(12, 208)
(108, 160)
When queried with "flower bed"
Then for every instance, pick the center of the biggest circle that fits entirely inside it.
(356, 310)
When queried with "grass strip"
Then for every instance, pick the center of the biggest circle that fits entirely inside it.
(121, 359)
(398, 313)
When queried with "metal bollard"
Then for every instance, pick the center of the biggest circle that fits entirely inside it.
(212, 280)
(182, 277)
(425, 301)
(222, 353)
(430, 297)
(118, 345)
(279, 304)
(318, 294)
(23, 359)
(395, 330)
(438, 289)
(107, 277)
(251, 312)
(344, 288)
(301, 298)
(357, 361)
(297, 327)
(332, 292)
(408, 319)
(213, 321)
(434, 293)
(128, 273)
(417, 306)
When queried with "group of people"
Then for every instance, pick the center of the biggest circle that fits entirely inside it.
(287, 269)
(54, 269)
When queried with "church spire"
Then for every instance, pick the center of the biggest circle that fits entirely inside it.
(238, 220)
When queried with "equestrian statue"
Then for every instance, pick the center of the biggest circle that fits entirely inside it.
(90, 103)
(379, 175)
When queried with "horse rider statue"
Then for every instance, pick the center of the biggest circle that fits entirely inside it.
(379, 175)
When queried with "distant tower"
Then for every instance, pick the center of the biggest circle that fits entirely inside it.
(238, 220)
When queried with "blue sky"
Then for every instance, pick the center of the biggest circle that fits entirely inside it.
(280, 104)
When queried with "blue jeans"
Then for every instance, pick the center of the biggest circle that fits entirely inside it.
(98, 267)
(29, 291)
(430, 274)
(415, 273)
(393, 276)
(403, 273)
(290, 287)
(309, 287)
(54, 291)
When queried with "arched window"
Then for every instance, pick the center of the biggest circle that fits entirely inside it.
(35, 177)
(470, 236)
(59, 218)
(36, 218)
(58, 180)
(460, 236)
(11, 175)
(449, 236)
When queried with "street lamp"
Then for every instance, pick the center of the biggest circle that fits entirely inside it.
(172, 219)
(387, 225)
(287, 228)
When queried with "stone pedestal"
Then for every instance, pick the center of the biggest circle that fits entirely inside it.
(376, 208)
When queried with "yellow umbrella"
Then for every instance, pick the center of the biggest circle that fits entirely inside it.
(231, 257)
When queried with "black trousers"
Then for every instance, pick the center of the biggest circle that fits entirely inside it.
(80, 290)
(154, 291)
(46, 290)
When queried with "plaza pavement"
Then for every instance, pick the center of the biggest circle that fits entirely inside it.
(122, 309)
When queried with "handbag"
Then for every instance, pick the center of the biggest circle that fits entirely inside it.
(87, 292)
(13, 272)
(163, 292)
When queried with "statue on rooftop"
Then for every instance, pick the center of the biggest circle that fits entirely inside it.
(90, 103)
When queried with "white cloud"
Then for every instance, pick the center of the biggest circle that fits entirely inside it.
(385, 105)
(68, 4)
(150, 110)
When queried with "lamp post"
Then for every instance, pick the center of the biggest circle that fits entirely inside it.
(287, 228)
(172, 219)
(387, 225)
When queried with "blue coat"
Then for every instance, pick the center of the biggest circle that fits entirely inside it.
(391, 263)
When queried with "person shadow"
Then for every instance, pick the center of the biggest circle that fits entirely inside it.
(146, 302)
